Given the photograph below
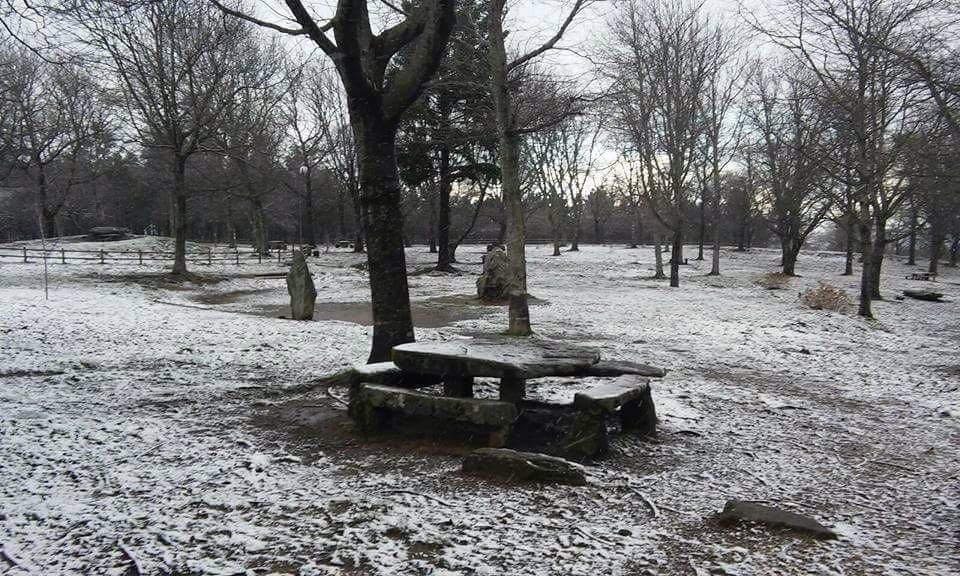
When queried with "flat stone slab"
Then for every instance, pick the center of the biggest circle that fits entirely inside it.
(523, 466)
(753, 512)
(614, 394)
(607, 368)
(512, 358)
(926, 295)
(476, 411)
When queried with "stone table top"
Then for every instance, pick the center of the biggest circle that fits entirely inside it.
(495, 358)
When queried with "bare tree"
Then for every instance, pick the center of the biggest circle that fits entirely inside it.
(663, 54)
(511, 126)
(841, 43)
(377, 97)
(176, 62)
(56, 123)
(791, 151)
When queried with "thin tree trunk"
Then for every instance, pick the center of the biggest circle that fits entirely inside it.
(658, 258)
(180, 217)
(866, 274)
(954, 250)
(309, 236)
(577, 216)
(257, 223)
(676, 256)
(715, 264)
(703, 228)
(432, 224)
(879, 249)
(443, 225)
(851, 240)
(912, 240)
(383, 223)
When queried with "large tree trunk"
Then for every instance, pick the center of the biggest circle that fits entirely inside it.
(936, 248)
(676, 256)
(509, 148)
(383, 224)
(658, 258)
(954, 250)
(790, 250)
(180, 215)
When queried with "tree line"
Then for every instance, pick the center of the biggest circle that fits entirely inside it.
(389, 124)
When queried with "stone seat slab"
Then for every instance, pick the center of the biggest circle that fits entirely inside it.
(622, 368)
(476, 411)
(614, 394)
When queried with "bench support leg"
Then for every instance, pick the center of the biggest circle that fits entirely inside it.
(512, 388)
(588, 435)
(639, 416)
(458, 386)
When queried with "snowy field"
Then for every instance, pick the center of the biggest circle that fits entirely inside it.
(141, 425)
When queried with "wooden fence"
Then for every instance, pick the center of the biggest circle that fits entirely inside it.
(137, 257)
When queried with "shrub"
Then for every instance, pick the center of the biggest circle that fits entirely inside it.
(826, 297)
(774, 281)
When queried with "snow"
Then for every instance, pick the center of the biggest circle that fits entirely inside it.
(139, 413)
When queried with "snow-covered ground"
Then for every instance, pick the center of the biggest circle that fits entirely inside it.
(140, 423)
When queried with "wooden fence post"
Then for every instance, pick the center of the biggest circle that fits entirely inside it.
(279, 253)
(259, 256)
(238, 257)
(101, 255)
(63, 256)
(24, 254)
(140, 256)
(209, 256)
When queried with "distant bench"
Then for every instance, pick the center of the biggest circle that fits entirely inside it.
(927, 276)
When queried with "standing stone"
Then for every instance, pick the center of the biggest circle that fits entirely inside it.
(494, 282)
(303, 294)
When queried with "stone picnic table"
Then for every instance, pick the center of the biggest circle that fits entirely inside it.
(513, 361)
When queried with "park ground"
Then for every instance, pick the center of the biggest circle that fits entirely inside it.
(144, 427)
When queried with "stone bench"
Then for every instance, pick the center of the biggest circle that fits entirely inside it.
(627, 397)
(372, 405)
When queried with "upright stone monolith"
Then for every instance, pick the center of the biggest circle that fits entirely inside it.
(303, 294)
(494, 283)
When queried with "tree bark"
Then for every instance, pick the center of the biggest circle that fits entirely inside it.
(865, 308)
(444, 259)
(936, 249)
(509, 147)
(702, 229)
(954, 250)
(658, 258)
(383, 224)
(790, 250)
(675, 257)
(715, 264)
(851, 240)
(879, 250)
